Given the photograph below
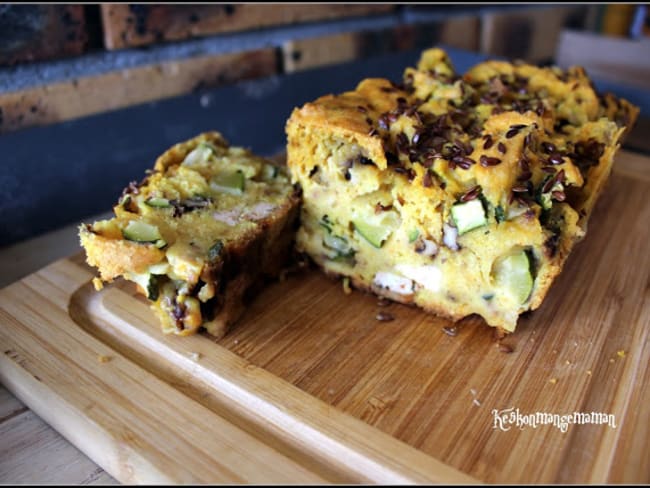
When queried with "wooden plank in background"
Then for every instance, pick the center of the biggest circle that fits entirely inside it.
(10, 406)
(129, 25)
(460, 32)
(320, 51)
(531, 35)
(37, 32)
(606, 57)
(31, 452)
(84, 96)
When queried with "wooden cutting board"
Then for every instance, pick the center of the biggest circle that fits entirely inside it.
(311, 388)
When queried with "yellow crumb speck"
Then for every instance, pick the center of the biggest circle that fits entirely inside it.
(589, 372)
(611, 360)
(554, 351)
(553, 381)
(102, 358)
(567, 362)
(98, 284)
(346, 286)
(621, 353)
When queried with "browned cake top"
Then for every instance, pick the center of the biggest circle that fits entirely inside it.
(515, 130)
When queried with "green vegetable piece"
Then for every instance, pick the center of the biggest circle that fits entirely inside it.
(499, 214)
(468, 215)
(158, 202)
(545, 199)
(413, 235)
(338, 244)
(376, 235)
(232, 183)
(152, 287)
(512, 274)
(142, 232)
(200, 154)
(326, 223)
(215, 251)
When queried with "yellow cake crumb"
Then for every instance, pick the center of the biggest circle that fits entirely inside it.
(346, 286)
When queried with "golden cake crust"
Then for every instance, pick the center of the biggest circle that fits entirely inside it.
(536, 145)
(201, 231)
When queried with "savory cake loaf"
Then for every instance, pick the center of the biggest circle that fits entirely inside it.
(462, 195)
(198, 233)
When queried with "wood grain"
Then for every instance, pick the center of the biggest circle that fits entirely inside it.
(10, 406)
(311, 387)
(531, 35)
(460, 32)
(68, 100)
(31, 452)
(615, 59)
(143, 429)
(137, 25)
(320, 51)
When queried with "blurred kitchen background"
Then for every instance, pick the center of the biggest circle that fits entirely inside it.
(91, 94)
(59, 62)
